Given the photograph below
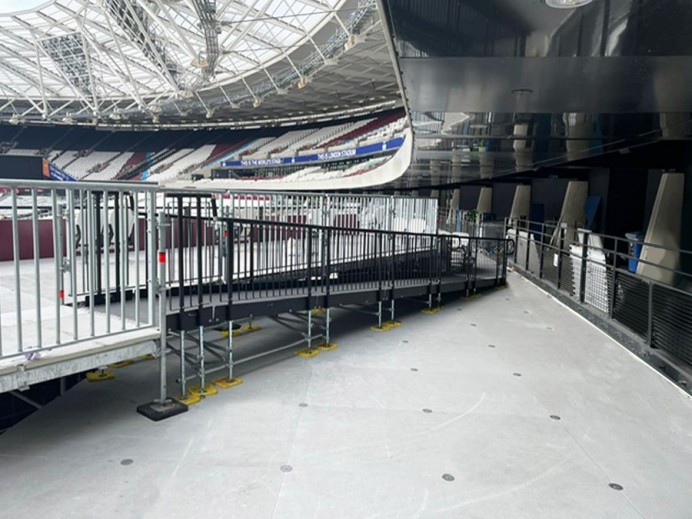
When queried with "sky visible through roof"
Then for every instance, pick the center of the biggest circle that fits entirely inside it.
(11, 6)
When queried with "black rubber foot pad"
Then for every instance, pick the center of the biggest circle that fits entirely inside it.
(158, 411)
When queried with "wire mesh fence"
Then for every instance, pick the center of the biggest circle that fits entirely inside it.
(651, 299)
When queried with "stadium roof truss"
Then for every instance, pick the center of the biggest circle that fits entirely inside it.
(138, 62)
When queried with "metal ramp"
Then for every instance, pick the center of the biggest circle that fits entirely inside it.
(130, 264)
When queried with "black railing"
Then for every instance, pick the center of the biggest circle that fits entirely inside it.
(217, 261)
(603, 274)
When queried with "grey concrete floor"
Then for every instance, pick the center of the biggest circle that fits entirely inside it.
(447, 416)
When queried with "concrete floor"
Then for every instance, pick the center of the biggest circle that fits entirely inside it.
(447, 416)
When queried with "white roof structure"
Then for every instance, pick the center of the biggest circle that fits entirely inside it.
(177, 62)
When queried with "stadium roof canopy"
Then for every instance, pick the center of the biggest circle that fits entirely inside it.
(192, 62)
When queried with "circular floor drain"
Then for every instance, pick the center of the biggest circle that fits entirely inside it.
(517, 374)
(286, 468)
(414, 369)
(491, 345)
(427, 410)
(126, 462)
(405, 341)
(473, 324)
(447, 477)
(303, 404)
(615, 486)
(555, 417)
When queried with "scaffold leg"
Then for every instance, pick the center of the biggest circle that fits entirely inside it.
(392, 323)
(309, 352)
(202, 372)
(327, 345)
(383, 326)
(183, 375)
(228, 381)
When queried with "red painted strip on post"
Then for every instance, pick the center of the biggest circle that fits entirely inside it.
(162, 257)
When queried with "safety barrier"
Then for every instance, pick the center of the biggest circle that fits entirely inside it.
(603, 273)
(68, 255)
(120, 263)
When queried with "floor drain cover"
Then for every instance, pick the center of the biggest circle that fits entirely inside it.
(517, 374)
(427, 410)
(615, 486)
(286, 468)
(414, 369)
(126, 462)
(473, 324)
(447, 477)
(555, 417)
(303, 404)
(491, 345)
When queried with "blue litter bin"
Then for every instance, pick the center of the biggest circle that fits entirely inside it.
(635, 249)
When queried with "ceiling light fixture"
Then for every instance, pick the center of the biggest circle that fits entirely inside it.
(567, 4)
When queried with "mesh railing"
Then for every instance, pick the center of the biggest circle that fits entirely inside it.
(647, 293)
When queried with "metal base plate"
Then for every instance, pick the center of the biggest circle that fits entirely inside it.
(158, 411)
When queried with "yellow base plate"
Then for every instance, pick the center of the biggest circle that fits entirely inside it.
(323, 346)
(382, 328)
(227, 383)
(243, 330)
(318, 311)
(207, 390)
(249, 328)
(99, 376)
(430, 311)
(148, 356)
(121, 364)
(189, 399)
(308, 353)
(392, 324)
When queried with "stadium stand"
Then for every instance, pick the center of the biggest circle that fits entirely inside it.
(100, 155)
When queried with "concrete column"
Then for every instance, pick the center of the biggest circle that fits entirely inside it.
(664, 229)
(580, 127)
(572, 213)
(521, 206)
(573, 206)
(523, 148)
(485, 201)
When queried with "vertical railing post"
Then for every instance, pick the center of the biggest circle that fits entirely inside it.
(541, 258)
(613, 281)
(309, 266)
(161, 285)
(162, 407)
(516, 241)
(650, 315)
(561, 246)
(504, 262)
(528, 247)
(584, 263)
